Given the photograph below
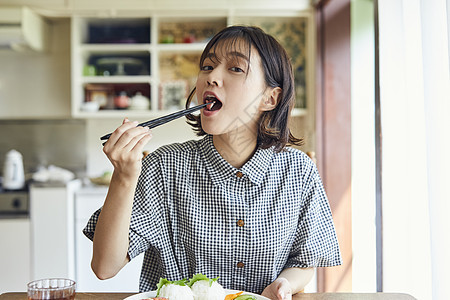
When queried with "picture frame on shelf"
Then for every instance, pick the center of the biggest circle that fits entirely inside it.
(173, 94)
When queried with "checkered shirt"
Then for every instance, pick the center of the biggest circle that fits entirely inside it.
(195, 213)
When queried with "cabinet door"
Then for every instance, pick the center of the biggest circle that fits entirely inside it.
(128, 278)
(51, 209)
(15, 255)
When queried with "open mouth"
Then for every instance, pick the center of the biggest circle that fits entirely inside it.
(215, 103)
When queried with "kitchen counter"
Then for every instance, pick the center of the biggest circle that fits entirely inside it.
(93, 189)
(310, 296)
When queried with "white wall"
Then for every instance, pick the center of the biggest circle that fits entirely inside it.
(97, 164)
(36, 85)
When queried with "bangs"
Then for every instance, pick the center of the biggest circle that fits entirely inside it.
(233, 45)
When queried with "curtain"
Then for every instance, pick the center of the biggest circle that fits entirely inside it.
(415, 114)
(436, 68)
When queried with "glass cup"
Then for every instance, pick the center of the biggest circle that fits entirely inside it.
(51, 288)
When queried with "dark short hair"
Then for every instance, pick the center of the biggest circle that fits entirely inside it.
(273, 125)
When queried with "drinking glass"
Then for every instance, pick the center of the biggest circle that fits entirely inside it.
(51, 288)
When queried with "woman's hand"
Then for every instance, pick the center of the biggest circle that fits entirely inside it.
(280, 289)
(111, 240)
(124, 148)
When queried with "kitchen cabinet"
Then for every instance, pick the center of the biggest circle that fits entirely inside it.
(52, 230)
(58, 246)
(156, 55)
(126, 57)
(87, 201)
(15, 256)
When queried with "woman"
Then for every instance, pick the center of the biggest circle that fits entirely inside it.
(238, 203)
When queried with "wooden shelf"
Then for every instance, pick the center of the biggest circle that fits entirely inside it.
(173, 61)
(115, 47)
(188, 47)
(116, 79)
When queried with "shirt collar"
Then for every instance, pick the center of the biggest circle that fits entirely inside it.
(220, 170)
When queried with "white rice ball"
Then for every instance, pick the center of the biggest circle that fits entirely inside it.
(202, 291)
(176, 292)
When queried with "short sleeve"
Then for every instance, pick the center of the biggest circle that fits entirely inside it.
(316, 243)
(148, 210)
(89, 230)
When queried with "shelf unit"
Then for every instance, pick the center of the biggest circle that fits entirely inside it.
(162, 49)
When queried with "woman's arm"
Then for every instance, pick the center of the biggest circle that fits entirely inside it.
(111, 240)
(289, 282)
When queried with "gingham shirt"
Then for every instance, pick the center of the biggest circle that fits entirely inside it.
(195, 213)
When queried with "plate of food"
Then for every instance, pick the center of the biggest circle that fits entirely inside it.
(199, 287)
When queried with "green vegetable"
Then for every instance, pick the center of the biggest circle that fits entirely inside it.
(198, 277)
(163, 281)
(245, 297)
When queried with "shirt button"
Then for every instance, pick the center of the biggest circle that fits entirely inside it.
(239, 174)
(240, 223)
(240, 264)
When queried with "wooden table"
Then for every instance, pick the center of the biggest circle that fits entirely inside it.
(307, 296)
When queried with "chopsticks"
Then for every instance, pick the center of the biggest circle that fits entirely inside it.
(164, 119)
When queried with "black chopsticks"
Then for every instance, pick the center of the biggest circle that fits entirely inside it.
(164, 119)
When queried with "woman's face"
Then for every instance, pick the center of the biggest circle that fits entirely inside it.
(236, 82)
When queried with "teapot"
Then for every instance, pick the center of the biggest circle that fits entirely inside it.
(139, 102)
(13, 172)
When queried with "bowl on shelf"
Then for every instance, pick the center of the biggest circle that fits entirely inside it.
(90, 106)
(139, 102)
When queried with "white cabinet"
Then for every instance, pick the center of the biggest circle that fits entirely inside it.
(51, 214)
(58, 246)
(15, 256)
(87, 201)
(109, 56)
(157, 55)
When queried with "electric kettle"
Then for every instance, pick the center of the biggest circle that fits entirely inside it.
(13, 172)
